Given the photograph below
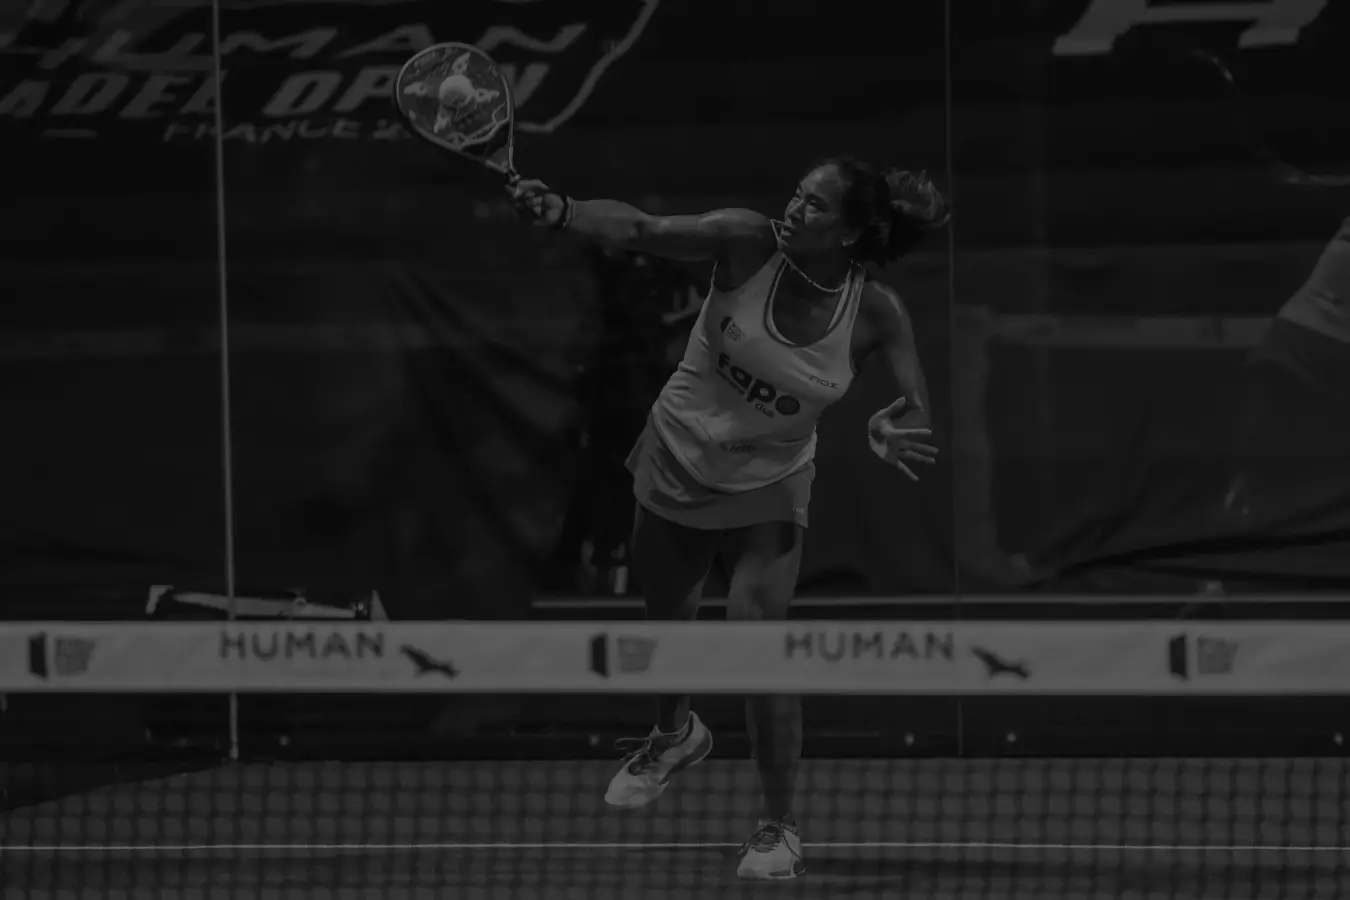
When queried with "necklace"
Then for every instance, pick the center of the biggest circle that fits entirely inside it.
(776, 225)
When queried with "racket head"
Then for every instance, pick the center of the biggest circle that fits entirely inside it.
(456, 97)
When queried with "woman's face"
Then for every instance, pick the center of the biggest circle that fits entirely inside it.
(814, 218)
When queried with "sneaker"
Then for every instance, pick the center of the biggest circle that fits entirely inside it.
(773, 852)
(653, 760)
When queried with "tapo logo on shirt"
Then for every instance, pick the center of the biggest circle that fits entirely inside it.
(766, 398)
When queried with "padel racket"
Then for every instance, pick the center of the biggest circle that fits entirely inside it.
(456, 97)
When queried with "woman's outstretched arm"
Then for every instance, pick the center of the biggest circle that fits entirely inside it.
(708, 236)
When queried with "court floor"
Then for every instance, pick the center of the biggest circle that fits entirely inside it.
(1225, 829)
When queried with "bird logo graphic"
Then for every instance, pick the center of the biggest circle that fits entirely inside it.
(995, 665)
(427, 664)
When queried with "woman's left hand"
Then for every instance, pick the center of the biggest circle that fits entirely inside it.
(897, 443)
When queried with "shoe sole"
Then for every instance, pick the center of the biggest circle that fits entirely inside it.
(693, 759)
(700, 753)
(798, 869)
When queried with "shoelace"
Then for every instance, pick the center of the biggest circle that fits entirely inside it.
(768, 836)
(639, 753)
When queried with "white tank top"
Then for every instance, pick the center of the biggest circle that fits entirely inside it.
(740, 411)
(1323, 303)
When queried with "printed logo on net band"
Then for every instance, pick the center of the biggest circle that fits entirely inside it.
(57, 656)
(632, 654)
(1203, 656)
(844, 645)
(284, 644)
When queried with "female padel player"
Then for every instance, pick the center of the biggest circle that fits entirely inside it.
(724, 466)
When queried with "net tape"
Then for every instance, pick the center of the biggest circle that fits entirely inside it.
(637, 657)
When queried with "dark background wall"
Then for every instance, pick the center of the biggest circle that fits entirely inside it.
(408, 366)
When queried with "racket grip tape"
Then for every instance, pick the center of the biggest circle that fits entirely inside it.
(564, 219)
